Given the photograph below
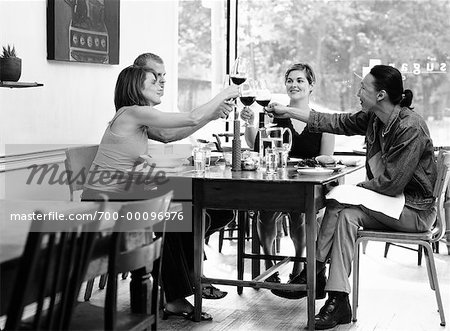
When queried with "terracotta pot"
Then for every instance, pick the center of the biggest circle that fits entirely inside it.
(10, 69)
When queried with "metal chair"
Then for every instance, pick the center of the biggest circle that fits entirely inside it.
(52, 267)
(435, 245)
(423, 239)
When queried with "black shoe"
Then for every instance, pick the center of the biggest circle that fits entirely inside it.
(274, 278)
(321, 280)
(336, 311)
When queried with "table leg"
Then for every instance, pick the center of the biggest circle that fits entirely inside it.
(199, 233)
(310, 216)
(240, 248)
(256, 263)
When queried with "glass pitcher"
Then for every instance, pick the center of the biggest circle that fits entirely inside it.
(277, 137)
(274, 138)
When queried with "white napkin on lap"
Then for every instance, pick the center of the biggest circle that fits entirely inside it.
(355, 195)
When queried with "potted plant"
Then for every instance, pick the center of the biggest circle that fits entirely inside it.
(10, 65)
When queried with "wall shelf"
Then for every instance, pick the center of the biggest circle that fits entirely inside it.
(19, 84)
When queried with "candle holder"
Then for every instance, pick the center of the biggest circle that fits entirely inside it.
(236, 143)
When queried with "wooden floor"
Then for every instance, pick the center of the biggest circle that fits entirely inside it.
(394, 295)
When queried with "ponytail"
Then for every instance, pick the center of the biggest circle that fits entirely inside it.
(406, 100)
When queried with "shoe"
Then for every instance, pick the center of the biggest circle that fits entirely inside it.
(274, 278)
(213, 293)
(321, 280)
(336, 311)
(189, 316)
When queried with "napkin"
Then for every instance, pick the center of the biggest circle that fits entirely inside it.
(355, 195)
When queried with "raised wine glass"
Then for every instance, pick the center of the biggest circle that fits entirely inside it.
(263, 94)
(239, 72)
(247, 95)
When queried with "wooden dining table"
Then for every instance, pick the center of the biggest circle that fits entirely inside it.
(218, 187)
(287, 190)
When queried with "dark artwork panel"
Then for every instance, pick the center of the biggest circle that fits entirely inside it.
(83, 30)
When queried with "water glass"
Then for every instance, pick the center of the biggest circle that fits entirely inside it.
(199, 157)
(207, 152)
(271, 160)
(283, 153)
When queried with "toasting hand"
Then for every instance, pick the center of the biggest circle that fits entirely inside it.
(278, 110)
(225, 103)
(247, 115)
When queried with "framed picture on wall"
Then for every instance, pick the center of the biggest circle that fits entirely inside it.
(83, 31)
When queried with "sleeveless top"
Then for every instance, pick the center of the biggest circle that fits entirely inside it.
(116, 155)
(304, 145)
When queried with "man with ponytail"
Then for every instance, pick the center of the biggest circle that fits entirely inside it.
(399, 160)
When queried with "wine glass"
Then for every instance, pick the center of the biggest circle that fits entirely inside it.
(263, 95)
(239, 72)
(247, 95)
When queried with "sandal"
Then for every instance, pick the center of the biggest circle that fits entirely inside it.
(211, 292)
(189, 316)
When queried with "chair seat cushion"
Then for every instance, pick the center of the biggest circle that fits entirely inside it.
(387, 235)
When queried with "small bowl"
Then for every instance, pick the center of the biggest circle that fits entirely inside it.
(250, 160)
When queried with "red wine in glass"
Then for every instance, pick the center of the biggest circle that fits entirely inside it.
(247, 100)
(263, 102)
(238, 80)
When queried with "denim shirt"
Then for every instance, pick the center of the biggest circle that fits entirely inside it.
(406, 149)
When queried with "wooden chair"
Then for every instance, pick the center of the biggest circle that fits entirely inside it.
(424, 239)
(124, 256)
(52, 267)
(78, 162)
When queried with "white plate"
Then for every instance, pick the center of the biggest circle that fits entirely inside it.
(315, 171)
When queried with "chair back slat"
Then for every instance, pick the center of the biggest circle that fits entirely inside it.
(55, 259)
(78, 162)
(44, 279)
(57, 278)
(440, 189)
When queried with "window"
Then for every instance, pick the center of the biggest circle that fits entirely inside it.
(342, 39)
(202, 52)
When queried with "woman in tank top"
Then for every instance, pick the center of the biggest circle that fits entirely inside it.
(136, 93)
(299, 81)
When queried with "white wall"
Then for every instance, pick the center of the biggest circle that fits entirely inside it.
(76, 101)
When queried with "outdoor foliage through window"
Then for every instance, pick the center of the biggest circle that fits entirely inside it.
(340, 39)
